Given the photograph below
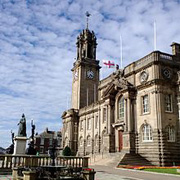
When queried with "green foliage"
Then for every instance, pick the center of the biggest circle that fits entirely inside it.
(168, 171)
(66, 151)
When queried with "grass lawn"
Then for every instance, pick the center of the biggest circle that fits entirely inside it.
(169, 171)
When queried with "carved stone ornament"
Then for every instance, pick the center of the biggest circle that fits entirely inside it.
(90, 74)
(76, 75)
(167, 74)
(144, 76)
(122, 83)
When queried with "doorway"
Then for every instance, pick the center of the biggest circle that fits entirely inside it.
(120, 134)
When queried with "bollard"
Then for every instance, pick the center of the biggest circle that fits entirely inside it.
(29, 175)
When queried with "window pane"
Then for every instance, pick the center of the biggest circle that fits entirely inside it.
(96, 122)
(145, 104)
(88, 123)
(147, 133)
(88, 141)
(168, 102)
(104, 114)
(121, 107)
(171, 133)
(81, 125)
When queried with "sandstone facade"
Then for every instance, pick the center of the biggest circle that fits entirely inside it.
(134, 110)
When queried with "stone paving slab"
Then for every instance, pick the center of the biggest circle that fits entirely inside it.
(107, 176)
(99, 176)
(128, 174)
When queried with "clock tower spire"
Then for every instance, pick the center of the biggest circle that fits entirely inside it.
(85, 71)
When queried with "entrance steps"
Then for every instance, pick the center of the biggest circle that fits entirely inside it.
(118, 158)
(134, 159)
(107, 159)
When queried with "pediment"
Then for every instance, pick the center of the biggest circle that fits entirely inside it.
(116, 85)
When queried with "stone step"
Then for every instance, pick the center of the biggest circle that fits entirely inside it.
(110, 159)
(134, 159)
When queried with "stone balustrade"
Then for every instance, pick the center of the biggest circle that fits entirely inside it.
(11, 161)
(154, 56)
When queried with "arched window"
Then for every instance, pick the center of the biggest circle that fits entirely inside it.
(81, 141)
(146, 133)
(171, 133)
(88, 140)
(121, 107)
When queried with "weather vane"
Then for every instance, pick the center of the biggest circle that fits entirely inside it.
(87, 15)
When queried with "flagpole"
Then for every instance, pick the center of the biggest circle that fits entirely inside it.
(101, 73)
(121, 50)
(94, 92)
(67, 102)
(155, 37)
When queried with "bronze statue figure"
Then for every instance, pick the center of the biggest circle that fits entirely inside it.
(22, 127)
(12, 137)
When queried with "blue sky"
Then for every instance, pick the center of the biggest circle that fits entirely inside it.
(37, 50)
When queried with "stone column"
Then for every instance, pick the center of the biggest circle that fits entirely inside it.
(99, 129)
(178, 100)
(108, 119)
(92, 143)
(126, 115)
(129, 115)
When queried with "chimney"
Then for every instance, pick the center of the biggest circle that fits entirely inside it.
(175, 49)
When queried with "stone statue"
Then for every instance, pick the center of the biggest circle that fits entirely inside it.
(31, 150)
(22, 127)
(32, 129)
(10, 149)
(12, 137)
(32, 132)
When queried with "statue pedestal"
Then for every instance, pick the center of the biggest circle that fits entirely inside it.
(19, 145)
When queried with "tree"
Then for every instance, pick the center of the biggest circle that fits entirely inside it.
(67, 151)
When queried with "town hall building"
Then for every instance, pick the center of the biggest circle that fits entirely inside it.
(134, 110)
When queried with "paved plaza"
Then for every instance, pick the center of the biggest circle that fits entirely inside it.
(109, 173)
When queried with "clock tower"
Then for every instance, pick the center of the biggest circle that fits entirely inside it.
(85, 71)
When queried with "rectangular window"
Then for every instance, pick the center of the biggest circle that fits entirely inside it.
(121, 108)
(171, 134)
(42, 141)
(104, 114)
(96, 122)
(145, 104)
(168, 103)
(81, 125)
(41, 150)
(88, 123)
(50, 142)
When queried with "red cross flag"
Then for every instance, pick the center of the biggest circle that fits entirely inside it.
(108, 64)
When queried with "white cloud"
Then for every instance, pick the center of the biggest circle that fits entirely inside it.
(38, 49)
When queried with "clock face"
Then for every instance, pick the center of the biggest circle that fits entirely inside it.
(143, 76)
(90, 74)
(167, 73)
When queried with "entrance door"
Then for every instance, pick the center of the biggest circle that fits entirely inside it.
(120, 140)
